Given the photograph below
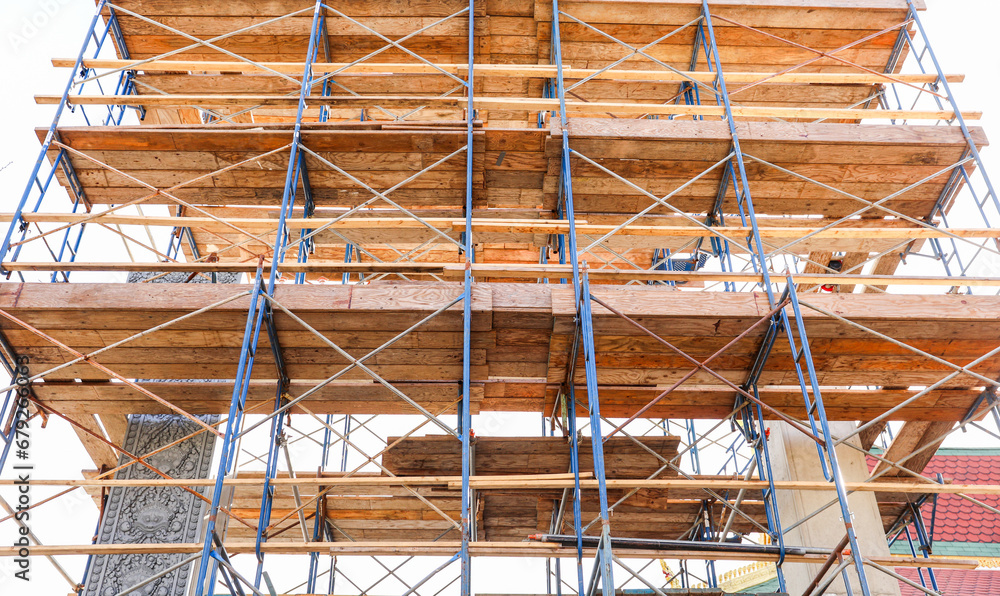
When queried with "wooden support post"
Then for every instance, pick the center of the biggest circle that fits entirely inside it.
(115, 426)
(101, 453)
(913, 436)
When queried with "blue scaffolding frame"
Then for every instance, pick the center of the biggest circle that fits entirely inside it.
(214, 560)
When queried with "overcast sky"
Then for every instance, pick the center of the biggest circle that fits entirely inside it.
(34, 31)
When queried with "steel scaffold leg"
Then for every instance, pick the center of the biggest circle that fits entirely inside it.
(596, 436)
(50, 136)
(256, 316)
(581, 291)
(756, 247)
(816, 410)
(465, 415)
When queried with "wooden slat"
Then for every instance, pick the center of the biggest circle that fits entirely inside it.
(449, 548)
(450, 271)
(505, 70)
(439, 455)
(511, 103)
(521, 338)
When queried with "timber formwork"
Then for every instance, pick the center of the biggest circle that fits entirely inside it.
(628, 218)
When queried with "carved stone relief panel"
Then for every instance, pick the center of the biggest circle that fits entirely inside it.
(136, 515)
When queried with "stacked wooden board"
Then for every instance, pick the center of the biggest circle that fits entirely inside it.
(518, 169)
(407, 513)
(762, 36)
(397, 513)
(521, 336)
(516, 179)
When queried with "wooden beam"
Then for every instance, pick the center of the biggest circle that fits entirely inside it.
(884, 265)
(103, 456)
(441, 548)
(248, 267)
(677, 484)
(547, 482)
(914, 436)
(514, 226)
(453, 271)
(115, 426)
(507, 103)
(325, 481)
(869, 435)
(541, 71)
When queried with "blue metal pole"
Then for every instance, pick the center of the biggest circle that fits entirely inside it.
(267, 497)
(693, 443)
(754, 429)
(721, 81)
(597, 441)
(43, 188)
(925, 544)
(829, 444)
(307, 212)
(255, 316)
(49, 136)
(581, 293)
(250, 332)
(954, 105)
(465, 422)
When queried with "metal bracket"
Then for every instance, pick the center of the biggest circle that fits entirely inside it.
(272, 338)
(74, 182)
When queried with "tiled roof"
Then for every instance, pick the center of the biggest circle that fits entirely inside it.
(954, 582)
(966, 550)
(957, 519)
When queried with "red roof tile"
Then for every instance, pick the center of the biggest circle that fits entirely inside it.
(959, 520)
(954, 582)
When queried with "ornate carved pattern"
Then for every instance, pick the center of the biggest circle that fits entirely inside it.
(136, 515)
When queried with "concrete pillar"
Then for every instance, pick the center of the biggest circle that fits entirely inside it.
(794, 457)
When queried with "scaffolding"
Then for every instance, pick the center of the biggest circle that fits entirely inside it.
(629, 220)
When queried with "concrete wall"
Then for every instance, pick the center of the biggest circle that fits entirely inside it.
(794, 457)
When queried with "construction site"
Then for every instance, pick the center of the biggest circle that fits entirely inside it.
(549, 297)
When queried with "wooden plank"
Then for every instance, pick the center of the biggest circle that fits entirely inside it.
(542, 482)
(521, 338)
(511, 103)
(505, 70)
(103, 456)
(527, 271)
(445, 548)
(514, 226)
(861, 235)
(924, 437)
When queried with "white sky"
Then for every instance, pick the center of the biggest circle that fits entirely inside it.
(34, 31)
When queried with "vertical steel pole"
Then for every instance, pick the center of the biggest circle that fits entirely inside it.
(465, 422)
(247, 349)
(754, 427)
(759, 253)
(829, 443)
(50, 135)
(581, 292)
(596, 436)
(954, 104)
(255, 316)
